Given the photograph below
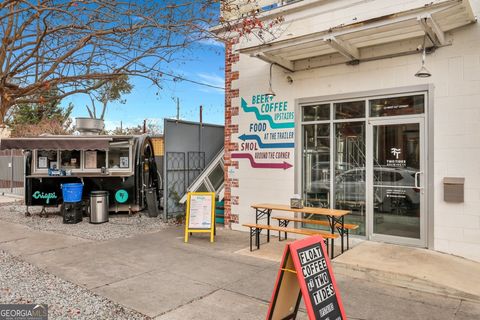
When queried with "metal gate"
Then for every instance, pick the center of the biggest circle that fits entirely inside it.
(182, 168)
(12, 169)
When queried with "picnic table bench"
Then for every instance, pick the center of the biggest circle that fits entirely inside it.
(284, 221)
(335, 218)
(255, 230)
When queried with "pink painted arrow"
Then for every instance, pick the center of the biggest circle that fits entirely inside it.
(254, 164)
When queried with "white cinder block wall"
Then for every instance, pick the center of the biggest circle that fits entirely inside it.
(456, 103)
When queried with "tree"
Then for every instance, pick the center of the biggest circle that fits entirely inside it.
(110, 91)
(79, 46)
(152, 128)
(34, 113)
(35, 119)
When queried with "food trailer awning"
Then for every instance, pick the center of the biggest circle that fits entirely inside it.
(56, 143)
(370, 38)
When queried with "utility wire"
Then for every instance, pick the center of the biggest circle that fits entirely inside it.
(193, 81)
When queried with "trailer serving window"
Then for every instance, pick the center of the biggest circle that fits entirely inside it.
(119, 155)
(70, 160)
(46, 159)
(94, 160)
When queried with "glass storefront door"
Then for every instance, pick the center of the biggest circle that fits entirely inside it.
(396, 176)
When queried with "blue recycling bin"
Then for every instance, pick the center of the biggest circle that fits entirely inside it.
(72, 192)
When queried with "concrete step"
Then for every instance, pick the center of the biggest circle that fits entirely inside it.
(413, 268)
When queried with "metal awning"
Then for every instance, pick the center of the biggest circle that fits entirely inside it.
(353, 42)
(56, 143)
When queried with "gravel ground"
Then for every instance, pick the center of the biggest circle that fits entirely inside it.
(21, 282)
(119, 225)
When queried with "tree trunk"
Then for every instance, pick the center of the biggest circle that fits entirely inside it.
(5, 105)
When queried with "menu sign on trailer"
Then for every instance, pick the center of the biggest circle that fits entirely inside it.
(306, 272)
(200, 213)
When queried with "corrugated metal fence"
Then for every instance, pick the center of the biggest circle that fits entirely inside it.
(12, 168)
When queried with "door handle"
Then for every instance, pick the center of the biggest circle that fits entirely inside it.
(417, 174)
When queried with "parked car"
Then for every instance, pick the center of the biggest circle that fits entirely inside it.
(390, 196)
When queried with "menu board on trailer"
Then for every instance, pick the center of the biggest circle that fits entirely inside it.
(42, 162)
(200, 213)
(91, 159)
(306, 272)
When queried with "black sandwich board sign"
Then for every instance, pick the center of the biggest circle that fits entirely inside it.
(306, 272)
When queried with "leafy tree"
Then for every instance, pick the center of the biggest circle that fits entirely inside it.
(109, 92)
(78, 46)
(35, 119)
(33, 114)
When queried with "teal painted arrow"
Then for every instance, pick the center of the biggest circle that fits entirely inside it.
(263, 145)
(266, 117)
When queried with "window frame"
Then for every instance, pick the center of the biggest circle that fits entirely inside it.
(82, 161)
(130, 159)
(84, 169)
(35, 160)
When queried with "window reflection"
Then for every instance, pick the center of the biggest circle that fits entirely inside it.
(349, 110)
(316, 112)
(316, 165)
(396, 159)
(350, 185)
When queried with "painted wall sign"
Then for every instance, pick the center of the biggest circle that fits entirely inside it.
(305, 271)
(273, 128)
(47, 196)
(200, 213)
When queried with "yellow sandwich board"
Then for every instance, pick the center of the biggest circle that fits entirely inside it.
(200, 215)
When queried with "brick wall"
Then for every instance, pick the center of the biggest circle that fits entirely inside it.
(230, 111)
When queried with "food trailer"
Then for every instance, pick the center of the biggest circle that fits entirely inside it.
(122, 165)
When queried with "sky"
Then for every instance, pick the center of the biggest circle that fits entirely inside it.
(206, 63)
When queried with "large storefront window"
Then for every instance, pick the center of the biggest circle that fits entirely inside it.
(397, 106)
(383, 194)
(316, 159)
(350, 172)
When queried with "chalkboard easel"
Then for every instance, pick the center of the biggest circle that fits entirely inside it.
(305, 272)
(200, 214)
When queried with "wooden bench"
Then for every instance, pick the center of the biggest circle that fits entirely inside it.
(255, 230)
(283, 221)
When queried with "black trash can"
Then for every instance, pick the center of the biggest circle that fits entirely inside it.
(72, 212)
(152, 202)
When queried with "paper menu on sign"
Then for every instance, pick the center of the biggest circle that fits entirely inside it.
(123, 162)
(200, 212)
(91, 159)
(42, 162)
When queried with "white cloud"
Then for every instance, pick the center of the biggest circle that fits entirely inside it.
(211, 42)
(212, 80)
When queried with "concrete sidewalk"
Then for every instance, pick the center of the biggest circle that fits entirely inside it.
(158, 275)
(415, 268)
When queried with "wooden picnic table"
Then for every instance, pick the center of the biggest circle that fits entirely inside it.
(335, 217)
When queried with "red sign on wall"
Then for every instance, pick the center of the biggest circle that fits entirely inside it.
(305, 271)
